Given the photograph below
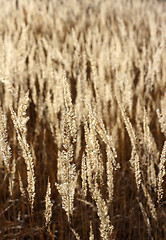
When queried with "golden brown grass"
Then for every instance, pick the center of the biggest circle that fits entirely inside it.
(82, 119)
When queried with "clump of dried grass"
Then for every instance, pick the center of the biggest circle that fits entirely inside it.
(20, 121)
(82, 97)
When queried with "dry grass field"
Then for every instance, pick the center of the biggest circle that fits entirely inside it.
(82, 119)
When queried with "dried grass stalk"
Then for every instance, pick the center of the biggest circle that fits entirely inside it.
(20, 121)
(48, 206)
(161, 173)
(5, 148)
(106, 229)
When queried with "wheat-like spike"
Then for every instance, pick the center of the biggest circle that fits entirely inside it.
(161, 120)
(22, 189)
(78, 145)
(135, 166)
(99, 127)
(152, 175)
(111, 153)
(91, 235)
(96, 156)
(135, 162)
(21, 116)
(31, 180)
(161, 173)
(93, 157)
(27, 156)
(149, 161)
(20, 127)
(137, 171)
(88, 156)
(48, 206)
(107, 140)
(67, 176)
(67, 191)
(147, 140)
(150, 202)
(129, 127)
(5, 148)
(84, 175)
(65, 131)
(12, 177)
(106, 229)
(69, 108)
(110, 169)
(20, 119)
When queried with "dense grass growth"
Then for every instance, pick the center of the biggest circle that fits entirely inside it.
(82, 119)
